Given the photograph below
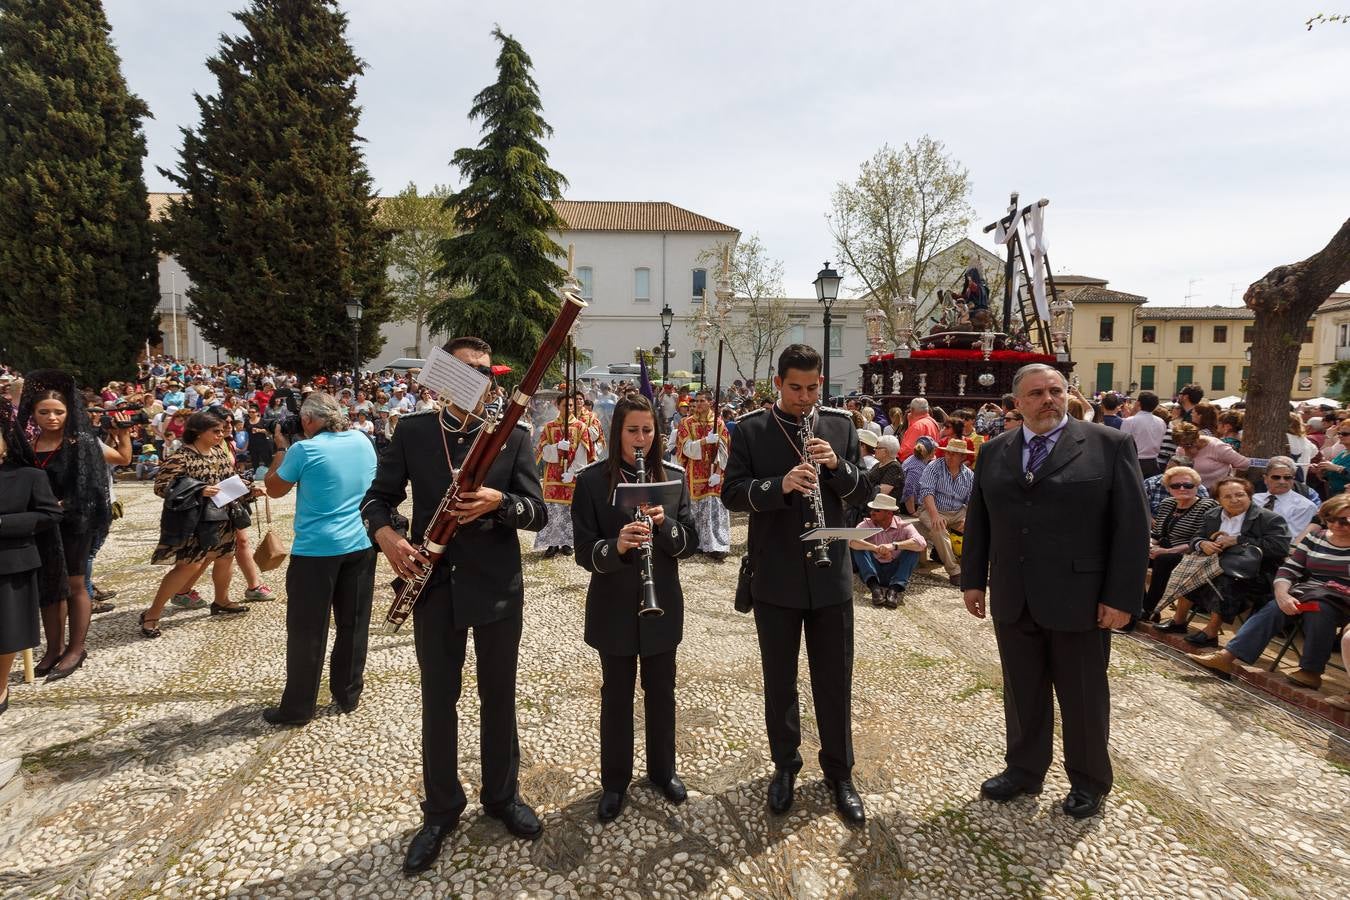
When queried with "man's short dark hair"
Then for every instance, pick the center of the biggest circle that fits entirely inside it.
(801, 357)
(1148, 401)
(1009, 402)
(1193, 392)
(1110, 401)
(468, 342)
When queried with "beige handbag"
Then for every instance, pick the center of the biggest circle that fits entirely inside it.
(269, 553)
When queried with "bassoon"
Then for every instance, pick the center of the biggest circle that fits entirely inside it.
(483, 452)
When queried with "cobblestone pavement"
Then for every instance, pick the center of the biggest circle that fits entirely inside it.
(150, 773)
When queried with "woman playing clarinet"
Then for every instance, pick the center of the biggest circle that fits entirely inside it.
(609, 545)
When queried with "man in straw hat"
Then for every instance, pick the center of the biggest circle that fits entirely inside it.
(887, 559)
(944, 491)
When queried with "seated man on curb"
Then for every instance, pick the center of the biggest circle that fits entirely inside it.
(944, 492)
(887, 559)
(1280, 495)
(1320, 560)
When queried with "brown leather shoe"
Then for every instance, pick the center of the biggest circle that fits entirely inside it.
(1219, 661)
(1304, 679)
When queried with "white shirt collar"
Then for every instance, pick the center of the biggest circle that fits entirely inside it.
(1052, 434)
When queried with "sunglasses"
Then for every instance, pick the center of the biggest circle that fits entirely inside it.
(1343, 521)
(1279, 478)
(1181, 486)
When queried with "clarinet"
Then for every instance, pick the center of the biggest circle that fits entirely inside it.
(647, 604)
(819, 553)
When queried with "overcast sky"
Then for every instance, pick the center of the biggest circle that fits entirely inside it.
(1176, 140)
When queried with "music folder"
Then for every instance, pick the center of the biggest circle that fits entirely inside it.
(839, 534)
(665, 494)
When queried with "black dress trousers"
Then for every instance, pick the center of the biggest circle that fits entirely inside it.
(1072, 664)
(441, 650)
(316, 586)
(616, 718)
(829, 654)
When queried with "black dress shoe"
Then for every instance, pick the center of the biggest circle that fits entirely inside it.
(846, 801)
(550, 552)
(1008, 785)
(274, 716)
(673, 789)
(350, 706)
(1174, 627)
(58, 672)
(610, 805)
(519, 819)
(780, 791)
(1200, 639)
(425, 847)
(42, 671)
(1081, 804)
(878, 596)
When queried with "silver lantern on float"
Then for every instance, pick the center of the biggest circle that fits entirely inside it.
(905, 310)
(1061, 324)
(874, 321)
(987, 344)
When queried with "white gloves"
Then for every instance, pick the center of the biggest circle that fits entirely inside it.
(714, 479)
(711, 438)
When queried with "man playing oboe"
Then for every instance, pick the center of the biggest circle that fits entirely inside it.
(477, 585)
(610, 545)
(773, 477)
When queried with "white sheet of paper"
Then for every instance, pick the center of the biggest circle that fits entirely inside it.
(231, 488)
(453, 380)
(841, 534)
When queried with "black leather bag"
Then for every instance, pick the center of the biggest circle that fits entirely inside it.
(240, 517)
(744, 603)
(1242, 561)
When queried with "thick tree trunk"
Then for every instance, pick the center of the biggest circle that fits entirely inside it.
(1284, 300)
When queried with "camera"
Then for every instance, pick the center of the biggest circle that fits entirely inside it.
(291, 429)
(137, 417)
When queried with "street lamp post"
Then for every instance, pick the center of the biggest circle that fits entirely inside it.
(667, 319)
(354, 313)
(827, 291)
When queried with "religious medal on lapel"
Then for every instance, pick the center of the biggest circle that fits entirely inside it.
(1030, 476)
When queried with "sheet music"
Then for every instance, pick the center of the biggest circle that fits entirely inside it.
(454, 380)
(231, 488)
(839, 534)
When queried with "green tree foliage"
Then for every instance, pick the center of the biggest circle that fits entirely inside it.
(77, 263)
(276, 227)
(416, 225)
(502, 251)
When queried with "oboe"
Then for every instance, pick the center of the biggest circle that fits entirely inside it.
(819, 552)
(647, 605)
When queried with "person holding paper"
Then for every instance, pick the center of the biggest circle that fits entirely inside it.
(769, 476)
(607, 542)
(701, 446)
(564, 447)
(886, 560)
(194, 532)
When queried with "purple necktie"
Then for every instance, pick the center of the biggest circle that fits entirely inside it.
(1040, 449)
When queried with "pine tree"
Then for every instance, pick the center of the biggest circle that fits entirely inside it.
(276, 226)
(77, 263)
(502, 251)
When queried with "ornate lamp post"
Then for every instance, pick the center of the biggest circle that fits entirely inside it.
(827, 291)
(1061, 324)
(905, 310)
(354, 313)
(667, 319)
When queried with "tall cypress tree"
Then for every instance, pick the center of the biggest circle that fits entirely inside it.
(276, 226)
(77, 263)
(502, 251)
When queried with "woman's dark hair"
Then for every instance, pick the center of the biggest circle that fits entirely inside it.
(1206, 417)
(938, 414)
(800, 357)
(1232, 418)
(1240, 482)
(198, 424)
(51, 394)
(635, 403)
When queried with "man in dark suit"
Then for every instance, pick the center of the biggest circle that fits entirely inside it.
(1058, 531)
(770, 475)
(477, 585)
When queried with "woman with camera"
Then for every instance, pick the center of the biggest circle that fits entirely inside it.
(76, 465)
(332, 568)
(193, 531)
(608, 542)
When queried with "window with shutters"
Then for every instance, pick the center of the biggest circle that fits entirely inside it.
(1188, 334)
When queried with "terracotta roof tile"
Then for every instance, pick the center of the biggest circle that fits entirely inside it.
(1095, 294)
(586, 215)
(1169, 313)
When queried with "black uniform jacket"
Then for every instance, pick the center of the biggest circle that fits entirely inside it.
(482, 563)
(613, 625)
(27, 506)
(761, 454)
(1074, 536)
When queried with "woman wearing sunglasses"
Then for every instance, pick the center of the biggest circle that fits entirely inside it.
(1318, 564)
(1176, 523)
(1337, 472)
